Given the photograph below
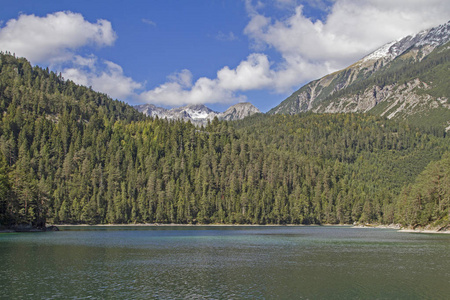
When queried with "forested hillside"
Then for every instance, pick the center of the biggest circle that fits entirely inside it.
(42, 118)
(71, 155)
(427, 200)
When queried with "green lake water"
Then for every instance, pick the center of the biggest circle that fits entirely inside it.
(310, 262)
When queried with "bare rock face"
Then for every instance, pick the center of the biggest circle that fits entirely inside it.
(151, 110)
(238, 112)
(198, 114)
(398, 101)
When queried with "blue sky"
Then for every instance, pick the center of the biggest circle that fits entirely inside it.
(173, 53)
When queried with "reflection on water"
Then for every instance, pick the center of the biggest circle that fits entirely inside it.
(224, 262)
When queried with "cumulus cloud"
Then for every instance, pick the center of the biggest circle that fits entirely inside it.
(179, 90)
(110, 79)
(55, 37)
(252, 73)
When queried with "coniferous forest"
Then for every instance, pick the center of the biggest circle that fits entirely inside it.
(69, 154)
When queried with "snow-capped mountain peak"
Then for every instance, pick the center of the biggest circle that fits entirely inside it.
(380, 53)
(436, 36)
(430, 38)
(198, 113)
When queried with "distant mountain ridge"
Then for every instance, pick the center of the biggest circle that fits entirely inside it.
(198, 113)
(405, 79)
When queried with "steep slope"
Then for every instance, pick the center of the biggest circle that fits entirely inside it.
(407, 79)
(198, 114)
(48, 128)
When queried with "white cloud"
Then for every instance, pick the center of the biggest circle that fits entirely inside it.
(252, 73)
(77, 75)
(252, 8)
(148, 22)
(110, 80)
(183, 78)
(179, 90)
(226, 37)
(53, 38)
(89, 61)
(113, 82)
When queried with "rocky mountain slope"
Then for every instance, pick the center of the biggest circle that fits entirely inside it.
(238, 112)
(199, 114)
(406, 79)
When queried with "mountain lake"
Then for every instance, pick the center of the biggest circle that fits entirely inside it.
(224, 262)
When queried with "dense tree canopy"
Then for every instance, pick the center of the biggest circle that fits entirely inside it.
(72, 155)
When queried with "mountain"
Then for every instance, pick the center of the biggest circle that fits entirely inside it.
(194, 113)
(151, 110)
(405, 79)
(70, 155)
(198, 114)
(238, 112)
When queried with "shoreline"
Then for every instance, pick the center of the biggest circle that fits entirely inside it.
(398, 227)
(425, 231)
(187, 225)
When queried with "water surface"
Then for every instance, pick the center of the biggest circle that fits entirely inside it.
(311, 262)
